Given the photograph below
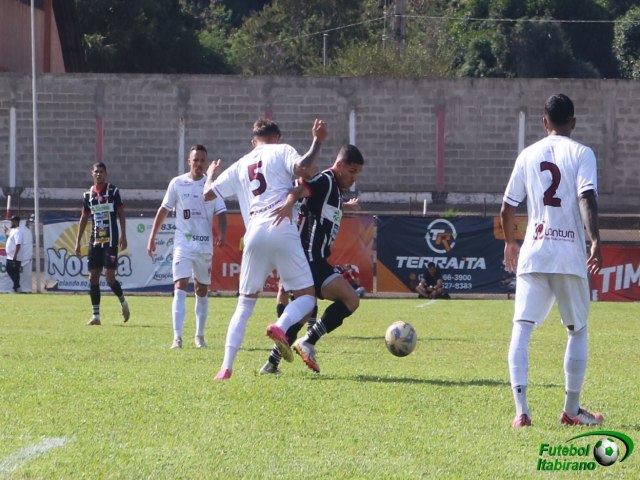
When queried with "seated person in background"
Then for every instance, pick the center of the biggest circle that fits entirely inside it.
(351, 273)
(431, 285)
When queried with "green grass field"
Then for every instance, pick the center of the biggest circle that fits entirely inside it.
(115, 402)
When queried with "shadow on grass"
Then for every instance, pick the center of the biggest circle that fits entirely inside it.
(420, 339)
(425, 381)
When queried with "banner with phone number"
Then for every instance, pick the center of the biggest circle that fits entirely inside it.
(467, 250)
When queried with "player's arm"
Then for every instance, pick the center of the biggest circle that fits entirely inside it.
(123, 228)
(589, 213)
(222, 229)
(212, 172)
(352, 205)
(82, 225)
(511, 246)
(161, 215)
(306, 167)
(286, 209)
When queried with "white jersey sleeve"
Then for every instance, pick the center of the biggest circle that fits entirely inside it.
(551, 174)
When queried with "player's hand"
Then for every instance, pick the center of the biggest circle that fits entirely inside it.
(319, 130)
(511, 253)
(219, 241)
(283, 211)
(594, 262)
(77, 249)
(353, 205)
(214, 169)
(151, 247)
(123, 243)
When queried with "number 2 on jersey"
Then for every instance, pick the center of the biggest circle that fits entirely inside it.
(549, 198)
(255, 175)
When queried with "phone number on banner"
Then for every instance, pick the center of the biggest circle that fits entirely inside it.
(458, 285)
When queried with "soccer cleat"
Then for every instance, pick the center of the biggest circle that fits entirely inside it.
(269, 369)
(521, 420)
(177, 343)
(276, 334)
(308, 354)
(199, 341)
(584, 417)
(125, 311)
(223, 374)
(94, 321)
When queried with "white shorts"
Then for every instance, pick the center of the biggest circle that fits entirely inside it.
(536, 293)
(198, 266)
(267, 248)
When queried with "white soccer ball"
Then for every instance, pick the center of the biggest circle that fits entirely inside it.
(400, 338)
(606, 452)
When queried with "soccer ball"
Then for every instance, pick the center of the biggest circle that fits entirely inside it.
(606, 452)
(400, 338)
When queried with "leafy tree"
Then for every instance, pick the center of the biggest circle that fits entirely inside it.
(627, 44)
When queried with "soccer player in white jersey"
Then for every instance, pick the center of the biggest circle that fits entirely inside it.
(193, 241)
(262, 180)
(557, 175)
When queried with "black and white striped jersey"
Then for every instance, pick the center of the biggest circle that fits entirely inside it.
(103, 206)
(320, 215)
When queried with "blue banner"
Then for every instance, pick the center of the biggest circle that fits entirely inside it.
(467, 250)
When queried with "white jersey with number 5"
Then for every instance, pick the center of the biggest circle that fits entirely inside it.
(261, 180)
(551, 174)
(194, 216)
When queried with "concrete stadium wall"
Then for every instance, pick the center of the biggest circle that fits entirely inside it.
(395, 124)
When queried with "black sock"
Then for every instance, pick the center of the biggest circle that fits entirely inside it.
(116, 288)
(94, 292)
(331, 319)
(313, 318)
(292, 334)
(280, 308)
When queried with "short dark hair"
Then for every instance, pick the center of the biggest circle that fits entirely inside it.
(431, 265)
(15, 218)
(559, 109)
(99, 165)
(265, 127)
(198, 148)
(350, 155)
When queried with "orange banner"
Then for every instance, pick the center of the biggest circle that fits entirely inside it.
(354, 245)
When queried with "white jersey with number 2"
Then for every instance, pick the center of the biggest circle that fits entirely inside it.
(551, 174)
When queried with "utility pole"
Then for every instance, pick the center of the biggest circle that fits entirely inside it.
(400, 26)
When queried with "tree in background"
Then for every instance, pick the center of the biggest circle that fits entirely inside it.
(627, 44)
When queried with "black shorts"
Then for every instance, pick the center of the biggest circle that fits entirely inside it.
(322, 271)
(102, 257)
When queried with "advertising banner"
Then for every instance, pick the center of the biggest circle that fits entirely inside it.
(137, 271)
(619, 278)
(467, 250)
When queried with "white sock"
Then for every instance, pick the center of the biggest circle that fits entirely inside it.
(296, 311)
(178, 310)
(575, 366)
(236, 330)
(519, 364)
(202, 310)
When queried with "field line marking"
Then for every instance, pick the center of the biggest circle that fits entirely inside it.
(12, 462)
(422, 305)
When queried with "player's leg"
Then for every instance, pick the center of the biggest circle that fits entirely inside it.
(202, 277)
(182, 271)
(110, 267)
(572, 293)
(255, 266)
(95, 259)
(273, 362)
(534, 300)
(283, 241)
